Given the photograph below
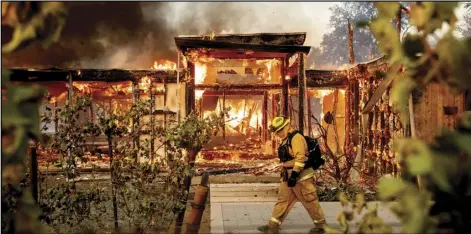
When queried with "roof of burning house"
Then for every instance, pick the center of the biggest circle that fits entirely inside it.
(336, 78)
(191, 43)
(112, 75)
(295, 38)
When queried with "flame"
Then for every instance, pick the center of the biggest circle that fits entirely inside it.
(200, 74)
(144, 83)
(84, 88)
(269, 64)
(292, 60)
(165, 65)
(58, 98)
(243, 114)
(211, 37)
(321, 93)
(113, 89)
(79, 72)
(201, 55)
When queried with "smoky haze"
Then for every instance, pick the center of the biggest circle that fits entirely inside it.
(132, 35)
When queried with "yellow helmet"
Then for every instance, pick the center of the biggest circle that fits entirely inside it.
(278, 123)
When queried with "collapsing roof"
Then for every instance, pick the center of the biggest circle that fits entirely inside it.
(246, 45)
(339, 78)
(297, 38)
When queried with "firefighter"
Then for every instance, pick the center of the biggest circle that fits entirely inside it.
(296, 183)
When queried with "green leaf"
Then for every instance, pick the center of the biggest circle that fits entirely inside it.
(5, 77)
(388, 10)
(342, 219)
(50, 16)
(389, 188)
(329, 230)
(455, 61)
(420, 14)
(445, 167)
(446, 12)
(360, 202)
(400, 91)
(418, 159)
(343, 199)
(388, 39)
(463, 142)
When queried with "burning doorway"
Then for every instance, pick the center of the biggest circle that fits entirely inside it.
(242, 88)
(246, 76)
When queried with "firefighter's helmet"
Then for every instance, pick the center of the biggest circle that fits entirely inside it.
(278, 123)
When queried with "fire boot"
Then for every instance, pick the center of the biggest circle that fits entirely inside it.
(269, 228)
(318, 229)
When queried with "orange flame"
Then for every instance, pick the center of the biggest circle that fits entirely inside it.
(144, 83)
(269, 63)
(113, 89)
(58, 98)
(165, 65)
(321, 93)
(243, 114)
(200, 55)
(84, 88)
(200, 74)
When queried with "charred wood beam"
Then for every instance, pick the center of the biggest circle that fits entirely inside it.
(265, 116)
(285, 88)
(186, 44)
(48, 75)
(233, 87)
(224, 116)
(351, 53)
(190, 91)
(321, 78)
(301, 93)
(237, 55)
(231, 92)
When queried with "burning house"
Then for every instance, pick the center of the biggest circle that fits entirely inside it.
(256, 77)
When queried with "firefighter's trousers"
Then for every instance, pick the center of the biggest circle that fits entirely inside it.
(306, 193)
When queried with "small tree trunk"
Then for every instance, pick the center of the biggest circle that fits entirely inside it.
(187, 184)
(34, 173)
(113, 190)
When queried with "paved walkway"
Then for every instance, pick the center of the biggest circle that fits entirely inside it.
(241, 208)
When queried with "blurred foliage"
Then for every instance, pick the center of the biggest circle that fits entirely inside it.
(30, 21)
(444, 166)
(330, 194)
(369, 221)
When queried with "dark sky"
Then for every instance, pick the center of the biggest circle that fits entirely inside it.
(98, 30)
(132, 35)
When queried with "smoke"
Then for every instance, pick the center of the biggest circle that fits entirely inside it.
(132, 35)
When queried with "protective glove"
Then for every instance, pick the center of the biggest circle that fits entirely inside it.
(292, 179)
